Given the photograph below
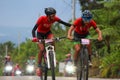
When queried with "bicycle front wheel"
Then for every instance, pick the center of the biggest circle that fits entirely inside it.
(45, 72)
(84, 75)
(79, 67)
(51, 57)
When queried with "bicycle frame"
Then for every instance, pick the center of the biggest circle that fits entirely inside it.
(50, 48)
(49, 56)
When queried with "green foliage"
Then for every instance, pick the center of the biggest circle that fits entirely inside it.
(26, 49)
(91, 5)
(7, 46)
(110, 65)
(108, 21)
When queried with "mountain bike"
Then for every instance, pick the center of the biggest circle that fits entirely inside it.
(49, 57)
(82, 70)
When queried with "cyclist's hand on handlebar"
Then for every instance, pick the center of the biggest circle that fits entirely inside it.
(34, 39)
(70, 37)
(99, 38)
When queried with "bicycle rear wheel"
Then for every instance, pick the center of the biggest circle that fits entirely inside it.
(52, 68)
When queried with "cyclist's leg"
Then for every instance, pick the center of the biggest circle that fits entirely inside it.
(39, 69)
(76, 53)
(40, 54)
(89, 48)
(89, 51)
(76, 47)
(41, 47)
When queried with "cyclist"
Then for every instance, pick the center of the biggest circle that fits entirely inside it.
(8, 60)
(31, 60)
(43, 26)
(69, 66)
(16, 67)
(81, 27)
(68, 58)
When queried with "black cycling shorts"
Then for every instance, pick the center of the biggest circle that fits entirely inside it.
(43, 35)
(76, 35)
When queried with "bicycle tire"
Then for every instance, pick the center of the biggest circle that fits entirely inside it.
(84, 56)
(52, 68)
(44, 69)
(45, 72)
(79, 67)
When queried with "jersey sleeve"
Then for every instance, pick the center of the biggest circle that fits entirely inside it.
(57, 19)
(93, 24)
(76, 22)
(39, 20)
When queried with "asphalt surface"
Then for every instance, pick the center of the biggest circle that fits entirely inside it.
(49, 78)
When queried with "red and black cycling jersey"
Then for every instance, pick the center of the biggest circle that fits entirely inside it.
(44, 26)
(83, 29)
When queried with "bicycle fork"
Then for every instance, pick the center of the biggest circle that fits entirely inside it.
(50, 49)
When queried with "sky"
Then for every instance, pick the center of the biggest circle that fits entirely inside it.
(18, 17)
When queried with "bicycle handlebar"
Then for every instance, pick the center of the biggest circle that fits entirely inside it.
(51, 40)
(84, 41)
(79, 39)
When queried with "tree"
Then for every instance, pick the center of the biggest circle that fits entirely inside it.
(90, 4)
(109, 23)
(6, 48)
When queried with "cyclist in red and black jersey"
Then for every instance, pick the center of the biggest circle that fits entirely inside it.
(43, 26)
(81, 27)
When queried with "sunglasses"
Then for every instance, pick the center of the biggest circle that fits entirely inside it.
(86, 19)
(53, 15)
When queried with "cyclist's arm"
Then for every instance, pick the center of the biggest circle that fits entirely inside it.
(33, 30)
(65, 23)
(99, 34)
(70, 32)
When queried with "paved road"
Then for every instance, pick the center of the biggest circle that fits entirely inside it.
(37, 78)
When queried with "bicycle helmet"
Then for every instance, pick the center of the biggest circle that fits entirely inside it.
(86, 15)
(49, 11)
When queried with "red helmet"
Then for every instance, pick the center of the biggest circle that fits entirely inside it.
(17, 65)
